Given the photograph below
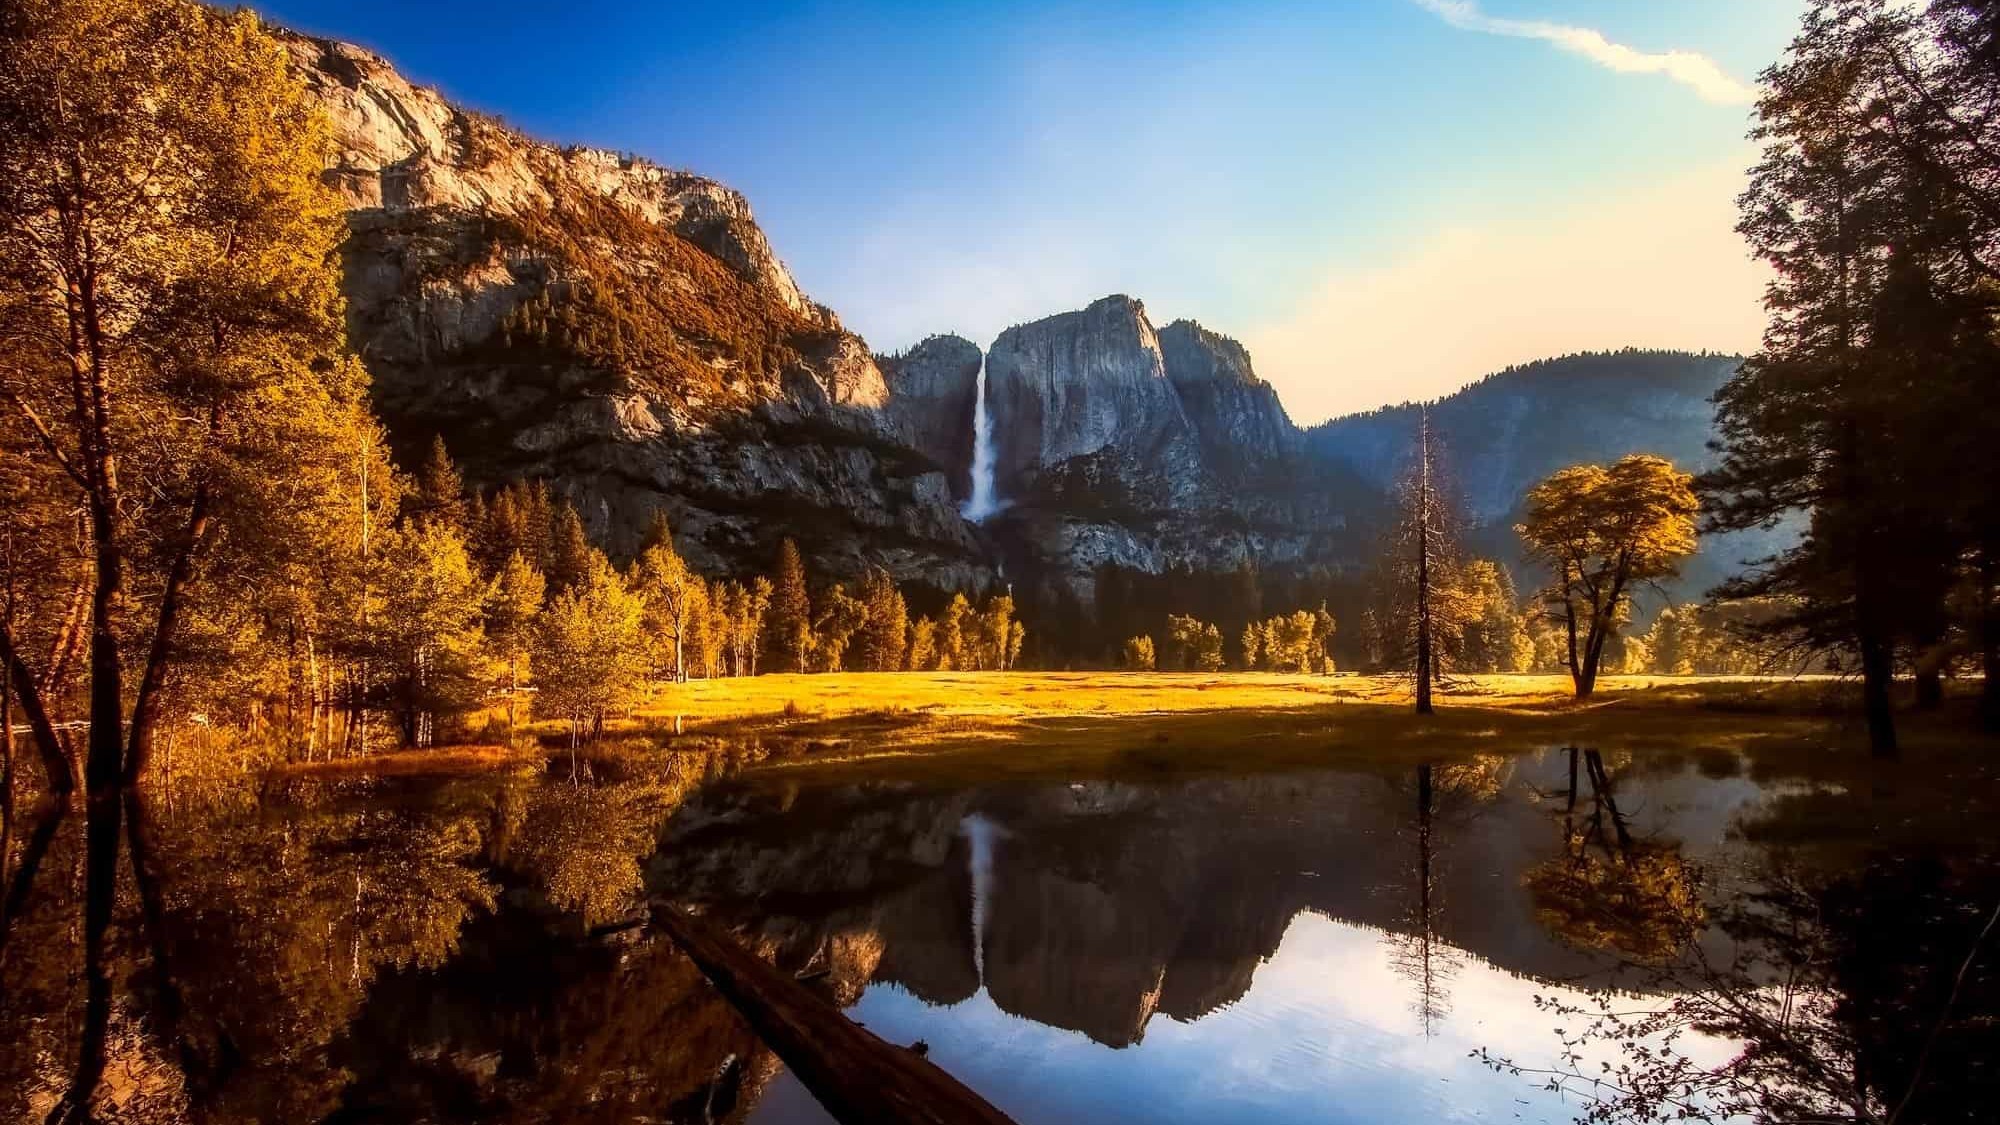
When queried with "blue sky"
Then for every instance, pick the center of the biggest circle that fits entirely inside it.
(1383, 198)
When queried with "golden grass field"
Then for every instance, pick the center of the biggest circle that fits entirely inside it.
(1051, 724)
(975, 728)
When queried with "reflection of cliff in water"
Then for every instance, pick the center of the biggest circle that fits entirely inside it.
(1112, 901)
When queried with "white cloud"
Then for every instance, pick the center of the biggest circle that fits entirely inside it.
(1695, 71)
(1659, 267)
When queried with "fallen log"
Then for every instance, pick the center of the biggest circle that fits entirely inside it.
(856, 1076)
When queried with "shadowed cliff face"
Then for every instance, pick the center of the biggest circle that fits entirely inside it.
(933, 390)
(621, 330)
(1242, 427)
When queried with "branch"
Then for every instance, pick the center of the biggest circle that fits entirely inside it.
(48, 440)
(146, 707)
(54, 762)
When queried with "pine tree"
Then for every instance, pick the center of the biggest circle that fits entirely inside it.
(1208, 649)
(1420, 615)
(432, 628)
(840, 618)
(995, 627)
(885, 635)
(954, 640)
(791, 607)
(439, 492)
(1250, 646)
(1875, 203)
(923, 654)
(570, 552)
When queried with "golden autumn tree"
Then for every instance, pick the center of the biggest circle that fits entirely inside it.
(589, 655)
(1602, 532)
(170, 313)
(171, 343)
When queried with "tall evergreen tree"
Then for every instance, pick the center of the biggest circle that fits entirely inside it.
(1871, 393)
(439, 492)
(1422, 555)
(570, 550)
(791, 608)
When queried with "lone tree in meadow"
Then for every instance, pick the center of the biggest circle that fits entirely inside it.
(1601, 532)
(1421, 559)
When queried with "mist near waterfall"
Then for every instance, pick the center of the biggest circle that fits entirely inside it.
(983, 502)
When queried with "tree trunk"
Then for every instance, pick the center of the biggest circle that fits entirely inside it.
(1989, 638)
(1878, 666)
(1425, 655)
(1423, 637)
(854, 1075)
(56, 768)
(1569, 628)
(1585, 675)
(33, 851)
(168, 1006)
(6, 769)
(152, 679)
(1929, 659)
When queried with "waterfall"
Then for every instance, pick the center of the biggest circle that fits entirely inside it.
(983, 502)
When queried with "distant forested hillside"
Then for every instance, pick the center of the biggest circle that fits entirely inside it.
(1514, 427)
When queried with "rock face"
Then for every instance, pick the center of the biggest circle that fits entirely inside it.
(933, 391)
(621, 330)
(1084, 384)
(1121, 445)
(625, 332)
(1238, 420)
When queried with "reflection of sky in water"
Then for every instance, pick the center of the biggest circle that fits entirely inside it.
(1327, 1032)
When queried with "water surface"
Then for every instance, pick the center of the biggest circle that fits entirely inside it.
(1383, 946)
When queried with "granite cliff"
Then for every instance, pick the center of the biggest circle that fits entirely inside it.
(1124, 445)
(933, 390)
(620, 329)
(626, 332)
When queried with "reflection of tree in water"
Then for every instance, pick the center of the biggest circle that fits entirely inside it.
(1867, 996)
(1445, 796)
(1609, 891)
(582, 846)
(249, 946)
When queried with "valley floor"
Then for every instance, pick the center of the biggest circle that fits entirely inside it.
(1050, 724)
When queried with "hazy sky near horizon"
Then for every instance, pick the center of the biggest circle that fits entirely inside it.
(1383, 199)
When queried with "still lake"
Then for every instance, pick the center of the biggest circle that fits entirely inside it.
(1379, 946)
